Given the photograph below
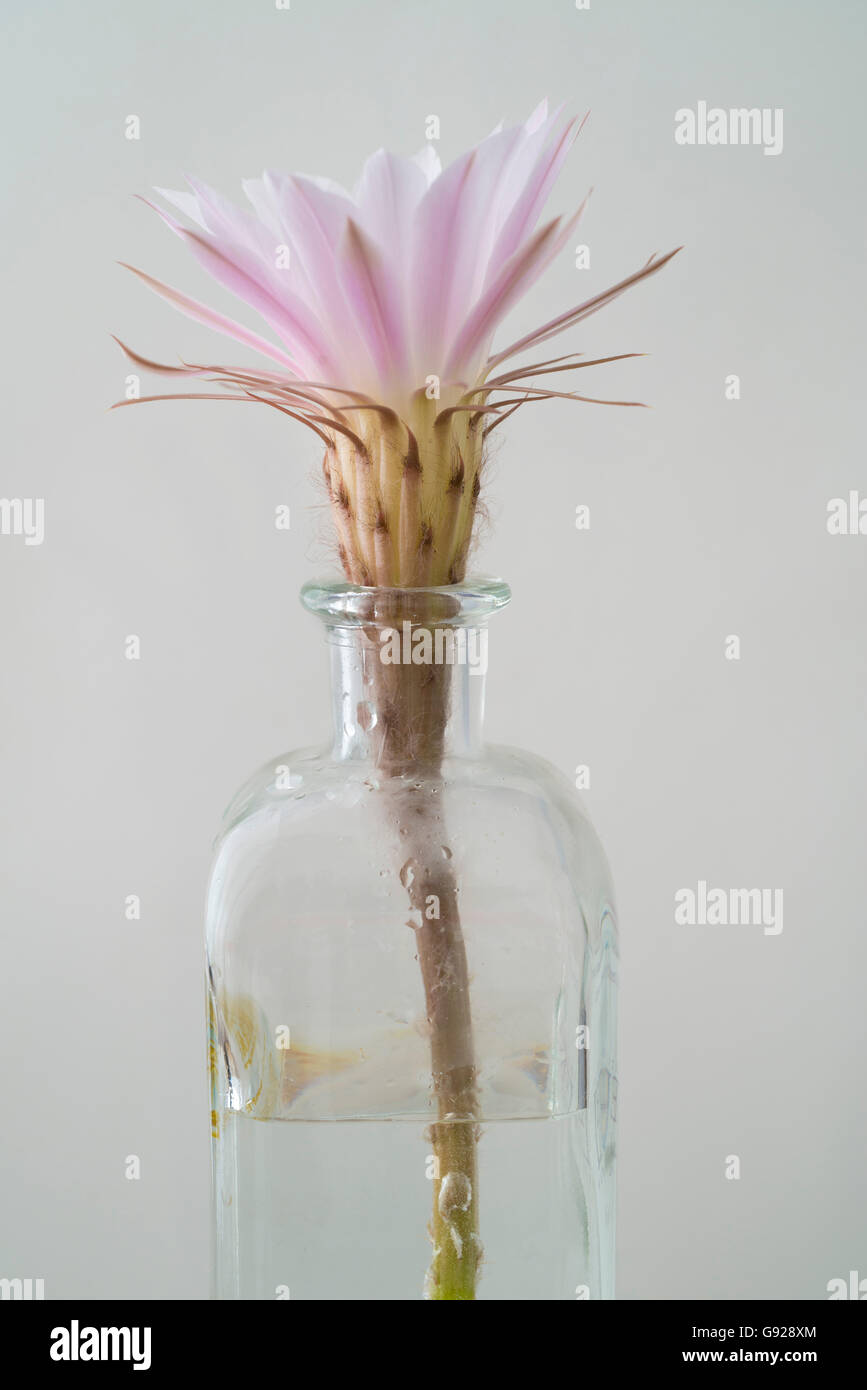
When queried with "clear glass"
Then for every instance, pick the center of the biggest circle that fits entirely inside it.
(413, 1091)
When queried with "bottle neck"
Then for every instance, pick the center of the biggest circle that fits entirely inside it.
(408, 669)
(407, 694)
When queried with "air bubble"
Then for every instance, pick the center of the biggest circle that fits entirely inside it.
(455, 1194)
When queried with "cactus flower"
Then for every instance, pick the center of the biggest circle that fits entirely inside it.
(381, 307)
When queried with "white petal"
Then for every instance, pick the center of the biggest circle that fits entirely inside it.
(428, 161)
(187, 203)
(327, 185)
(387, 194)
(538, 117)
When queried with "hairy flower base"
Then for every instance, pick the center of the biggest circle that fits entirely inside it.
(404, 495)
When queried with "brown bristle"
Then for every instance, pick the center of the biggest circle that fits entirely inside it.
(456, 478)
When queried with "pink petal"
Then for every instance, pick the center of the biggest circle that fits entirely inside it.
(387, 194)
(187, 203)
(202, 314)
(439, 245)
(249, 240)
(515, 278)
(456, 263)
(537, 184)
(313, 222)
(289, 316)
(371, 290)
(483, 214)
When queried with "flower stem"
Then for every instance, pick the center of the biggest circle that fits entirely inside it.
(412, 708)
(442, 956)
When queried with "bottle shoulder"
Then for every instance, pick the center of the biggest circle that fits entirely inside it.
(303, 790)
(299, 773)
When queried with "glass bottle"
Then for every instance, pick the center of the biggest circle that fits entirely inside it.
(411, 968)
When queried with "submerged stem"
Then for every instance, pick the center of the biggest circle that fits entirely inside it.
(412, 705)
(432, 888)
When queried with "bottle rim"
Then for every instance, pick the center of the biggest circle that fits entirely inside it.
(342, 604)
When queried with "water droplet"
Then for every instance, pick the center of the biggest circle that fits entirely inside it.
(407, 873)
(366, 716)
(447, 854)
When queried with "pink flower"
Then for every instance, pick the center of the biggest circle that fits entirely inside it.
(381, 306)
